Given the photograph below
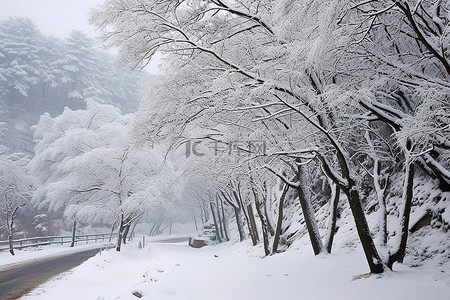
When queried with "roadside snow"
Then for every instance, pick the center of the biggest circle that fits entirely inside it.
(235, 271)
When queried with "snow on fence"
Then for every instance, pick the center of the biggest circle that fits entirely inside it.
(49, 240)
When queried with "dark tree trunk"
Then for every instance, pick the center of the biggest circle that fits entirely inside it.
(225, 228)
(236, 205)
(11, 244)
(202, 218)
(155, 228)
(276, 239)
(263, 220)
(74, 228)
(308, 214)
(239, 207)
(333, 218)
(120, 234)
(205, 216)
(10, 225)
(370, 251)
(249, 226)
(112, 231)
(195, 223)
(399, 253)
(219, 218)
(152, 229)
(384, 213)
(253, 228)
(237, 215)
(216, 226)
(125, 233)
(381, 193)
(351, 191)
(158, 229)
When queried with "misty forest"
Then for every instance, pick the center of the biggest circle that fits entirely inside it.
(270, 121)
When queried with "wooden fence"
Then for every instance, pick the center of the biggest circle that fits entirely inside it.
(50, 240)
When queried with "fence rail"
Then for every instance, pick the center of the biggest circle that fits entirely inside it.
(49, 240)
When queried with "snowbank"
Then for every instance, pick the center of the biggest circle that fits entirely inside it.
(236, 271)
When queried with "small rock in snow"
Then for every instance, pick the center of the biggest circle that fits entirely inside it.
(137, 294)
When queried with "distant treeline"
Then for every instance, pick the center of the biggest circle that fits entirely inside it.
(40, 73)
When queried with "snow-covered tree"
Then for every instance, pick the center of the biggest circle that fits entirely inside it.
(72, 151)
(15, 191)
(345, 76)
(86, 168)
(20, 63)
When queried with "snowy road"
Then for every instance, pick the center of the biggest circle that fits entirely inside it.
(18, 280)
(172, 240)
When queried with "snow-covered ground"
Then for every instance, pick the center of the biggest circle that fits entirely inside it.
(237, 271)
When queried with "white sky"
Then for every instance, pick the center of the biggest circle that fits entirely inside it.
(53, 17)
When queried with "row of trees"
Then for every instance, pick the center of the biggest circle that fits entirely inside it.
(40, 73)
(86, 170)
(58, 72)
(349, 97)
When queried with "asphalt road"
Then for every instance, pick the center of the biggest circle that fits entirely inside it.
(19, 280)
